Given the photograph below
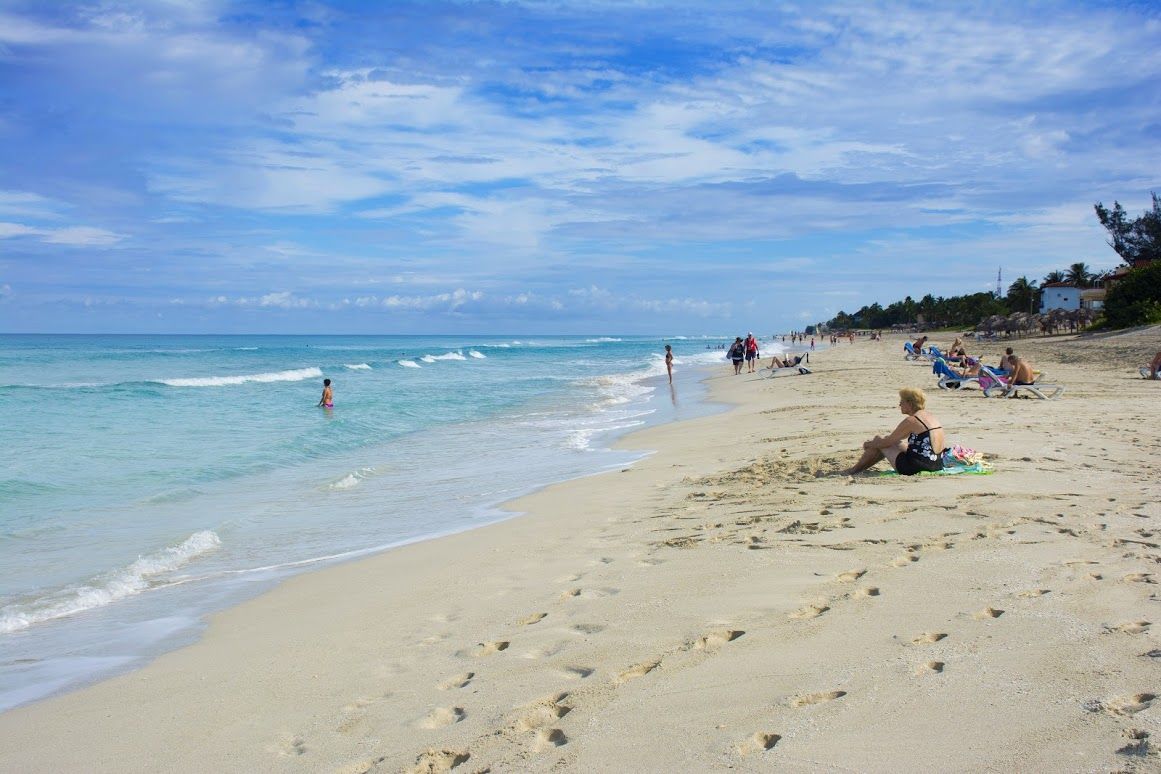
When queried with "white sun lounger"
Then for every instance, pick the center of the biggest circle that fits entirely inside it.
(1042, 391)
(798, 370)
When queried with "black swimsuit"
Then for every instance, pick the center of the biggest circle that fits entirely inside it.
(919, 455)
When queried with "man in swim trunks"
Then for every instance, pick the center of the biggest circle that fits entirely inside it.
(1021, 371)
(751, 352)
(328, 396)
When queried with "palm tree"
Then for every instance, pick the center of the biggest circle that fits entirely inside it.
(1079, 275)
(1053, 277)
(1022, 294)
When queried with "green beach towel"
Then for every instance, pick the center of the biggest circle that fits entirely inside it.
(976, 469)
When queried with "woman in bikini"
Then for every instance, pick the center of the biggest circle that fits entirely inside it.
(915, 445)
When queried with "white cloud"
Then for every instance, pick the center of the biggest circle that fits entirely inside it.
(72, 236)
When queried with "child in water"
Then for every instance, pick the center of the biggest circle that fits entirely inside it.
(328, 397)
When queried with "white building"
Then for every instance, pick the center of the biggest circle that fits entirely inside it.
(1059, 295)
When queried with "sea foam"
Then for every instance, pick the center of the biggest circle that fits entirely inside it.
(107, 589)
(295, 375)
(445, 356)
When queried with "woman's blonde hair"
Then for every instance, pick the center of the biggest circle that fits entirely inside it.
(914, 396)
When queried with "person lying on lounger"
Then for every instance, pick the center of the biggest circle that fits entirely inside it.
(790, 363)
(970, 366)
(915, 445)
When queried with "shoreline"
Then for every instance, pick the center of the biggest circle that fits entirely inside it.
(44, 662)
(771, 617)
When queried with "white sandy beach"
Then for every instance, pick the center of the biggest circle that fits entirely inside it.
(715, 606)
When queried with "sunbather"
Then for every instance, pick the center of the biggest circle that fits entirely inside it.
(917, 345)
(1155, 366)
(1021, 371)
(1006, 360)
(789, 363)
(915, 445)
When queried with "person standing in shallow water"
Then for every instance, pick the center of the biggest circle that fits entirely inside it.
(328, 396)
(669, 362)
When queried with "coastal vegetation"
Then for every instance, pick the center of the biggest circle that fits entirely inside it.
(1133, 298)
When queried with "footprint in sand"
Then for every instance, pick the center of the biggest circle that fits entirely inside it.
(810, 611)
(542, 713)
(1122, 705)
(816, 698)
(459, 681)
(850, 576)
(577, 672)
(987, 612)
(1139, 577)
(759, 742)
(488, 648)
(291, 746)
(1033, 593)
(928, 667)
(443, 716)
(1132, 627)
(868, 591)
(570, 594)
(928, 637)
(531, 619)
(433, 760)
(588, 628)
(711, 641)
(1138, 744)
(640, 670)
(904, 560)
(548, 738)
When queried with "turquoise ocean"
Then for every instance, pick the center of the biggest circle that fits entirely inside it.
(150, 480)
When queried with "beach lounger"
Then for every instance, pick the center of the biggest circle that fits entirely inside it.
(798, 370)
(1145, 371)
(1039, 389)
(910, 353)
(949, 379)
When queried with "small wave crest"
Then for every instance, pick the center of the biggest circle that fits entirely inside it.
(445, 356)
(408, 363)
(107, 589)
(357, 366)
(350, 480)
(294, 375)
(601, 340)
(475, 354)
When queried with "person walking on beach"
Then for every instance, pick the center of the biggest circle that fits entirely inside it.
(751, 353)
(669, 362)
(737, 354)
(328, 396)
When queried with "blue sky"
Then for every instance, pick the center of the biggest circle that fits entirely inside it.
(555, 167)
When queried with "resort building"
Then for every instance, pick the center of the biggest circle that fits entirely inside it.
(1059, 295)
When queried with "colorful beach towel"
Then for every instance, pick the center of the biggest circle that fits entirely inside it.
(957, 460)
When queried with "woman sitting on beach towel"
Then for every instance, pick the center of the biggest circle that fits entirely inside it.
(915, 445)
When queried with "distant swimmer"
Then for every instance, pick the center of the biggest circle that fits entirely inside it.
(669, 362)
(328, 396)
